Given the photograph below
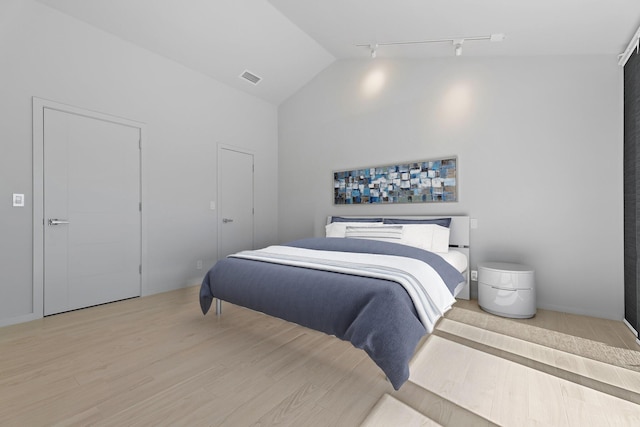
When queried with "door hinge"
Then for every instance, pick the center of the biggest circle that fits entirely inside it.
(140, 268)
(140, 143)
(140, 206)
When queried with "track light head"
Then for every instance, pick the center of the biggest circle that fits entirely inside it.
(457, 43)
(374, 50)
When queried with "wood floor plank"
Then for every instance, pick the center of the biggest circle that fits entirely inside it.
(547, 399)
(389, 411)
(603, 372)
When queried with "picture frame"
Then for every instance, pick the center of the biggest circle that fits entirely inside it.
(423, 181)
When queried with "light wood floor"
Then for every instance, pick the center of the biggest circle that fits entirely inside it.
(610, 332)
(158, 361)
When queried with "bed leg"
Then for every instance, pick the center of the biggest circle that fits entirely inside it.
(218, 307)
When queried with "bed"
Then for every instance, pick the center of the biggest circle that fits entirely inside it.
(380, 283)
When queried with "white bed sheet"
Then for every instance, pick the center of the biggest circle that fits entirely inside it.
(456, 259)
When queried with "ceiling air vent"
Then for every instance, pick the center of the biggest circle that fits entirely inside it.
(250, 77)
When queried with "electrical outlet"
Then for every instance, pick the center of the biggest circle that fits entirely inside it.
(474, 274)
(199, 264)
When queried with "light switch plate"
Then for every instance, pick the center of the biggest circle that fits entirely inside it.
(18, 200)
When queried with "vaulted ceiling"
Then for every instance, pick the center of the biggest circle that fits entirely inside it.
(287, 42)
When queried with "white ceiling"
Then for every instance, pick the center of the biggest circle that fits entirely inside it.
(220, 38)
(287, 42)
(532, 27)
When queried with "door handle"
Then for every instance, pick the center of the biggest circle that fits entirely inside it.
(226, 220)
(54, 221)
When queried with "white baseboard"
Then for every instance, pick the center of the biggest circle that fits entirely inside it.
(19, 319)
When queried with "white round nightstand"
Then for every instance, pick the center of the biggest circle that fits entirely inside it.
(507, 289)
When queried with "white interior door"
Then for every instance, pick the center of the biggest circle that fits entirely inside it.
(235, 201)
(92, 218)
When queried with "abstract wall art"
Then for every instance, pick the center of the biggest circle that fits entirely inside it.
(426, 181)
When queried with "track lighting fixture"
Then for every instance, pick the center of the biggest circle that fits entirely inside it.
(457, 42)
(458, 46)
(374, 50)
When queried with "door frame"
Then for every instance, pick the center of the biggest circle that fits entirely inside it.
(218, 183)
(38, 107)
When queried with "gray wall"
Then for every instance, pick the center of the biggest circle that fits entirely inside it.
(539, 145)
(52, 56)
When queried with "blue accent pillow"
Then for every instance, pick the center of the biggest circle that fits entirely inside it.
(445, 222)
(342, 219)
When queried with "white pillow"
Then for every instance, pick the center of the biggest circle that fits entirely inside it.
(385, 233)
(430, 237)
(339, 229)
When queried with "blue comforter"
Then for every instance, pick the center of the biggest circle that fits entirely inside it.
(375, 315)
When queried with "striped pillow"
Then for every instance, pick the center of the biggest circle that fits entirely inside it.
(339, 229)
(386, 233)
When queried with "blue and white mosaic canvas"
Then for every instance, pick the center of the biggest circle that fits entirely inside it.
(418, 182)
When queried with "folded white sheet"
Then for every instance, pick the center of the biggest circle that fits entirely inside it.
(456, 259)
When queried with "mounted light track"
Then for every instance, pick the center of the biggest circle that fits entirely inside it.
(457, 42)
